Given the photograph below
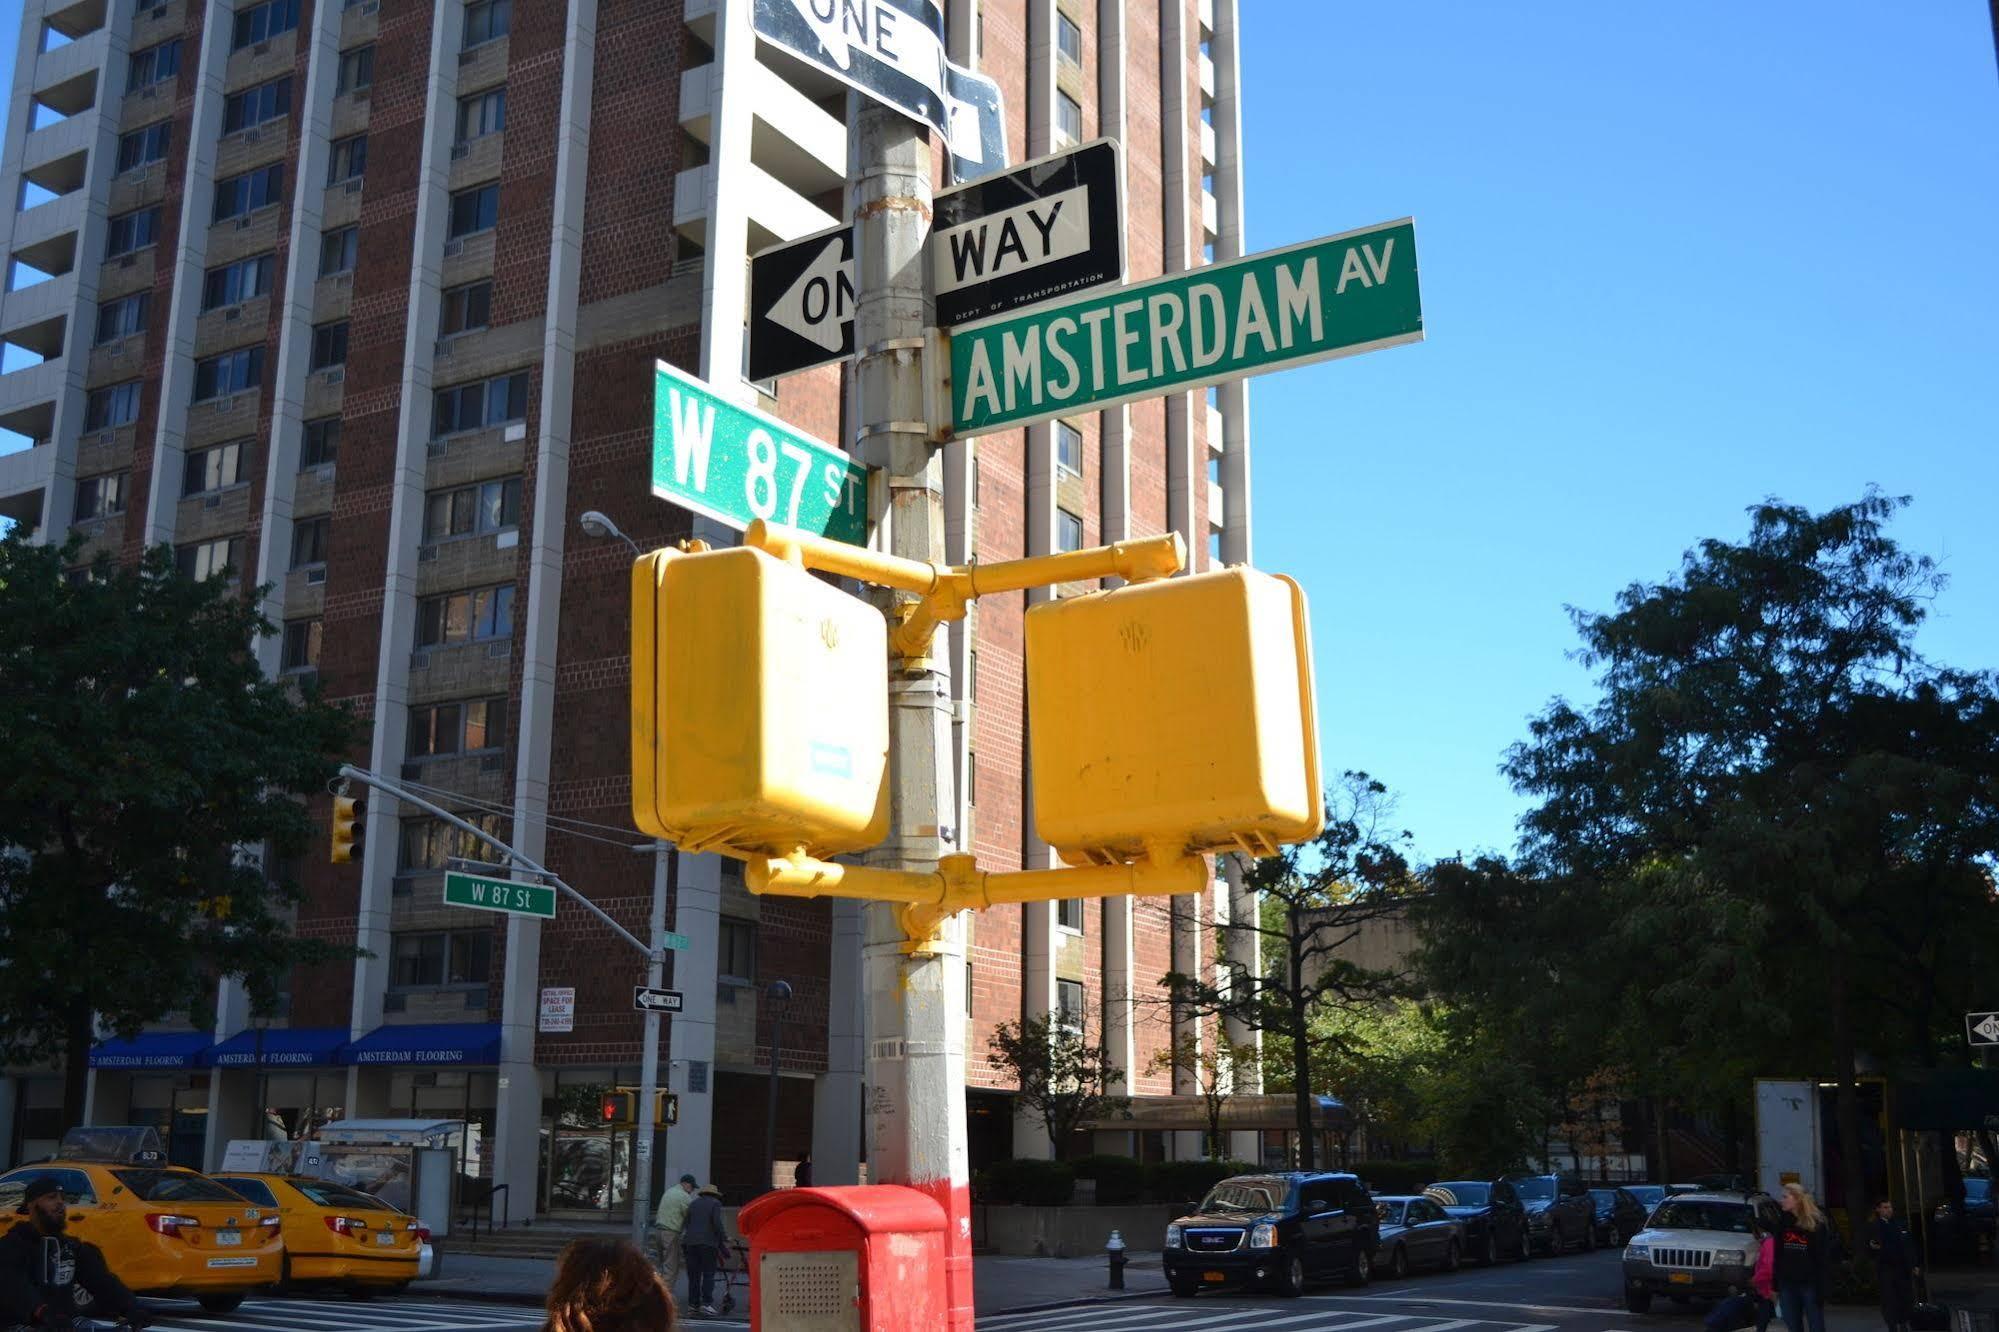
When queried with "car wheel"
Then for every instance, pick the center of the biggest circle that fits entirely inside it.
(1291, 1279)
(1589, 1238)
(1638, 1301)
(1526, 1245)
(1490, 1257)
(1363, 1269)
(1398, 1264)
(1453, 1260)
(221, 1304)
(1182, 1287)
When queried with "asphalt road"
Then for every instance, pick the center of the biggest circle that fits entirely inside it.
(381, 1315)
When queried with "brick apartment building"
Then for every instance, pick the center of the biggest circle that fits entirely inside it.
(362, 301)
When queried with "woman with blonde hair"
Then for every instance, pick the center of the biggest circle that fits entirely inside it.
(607, 1286)
(1803, 1260)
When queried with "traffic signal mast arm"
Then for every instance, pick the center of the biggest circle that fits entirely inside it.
(943, 591)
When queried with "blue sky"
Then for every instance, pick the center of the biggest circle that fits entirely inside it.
(1675, 258)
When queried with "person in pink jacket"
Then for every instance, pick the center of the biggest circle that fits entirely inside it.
(1758, 1303)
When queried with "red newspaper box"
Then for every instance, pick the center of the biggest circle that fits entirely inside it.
(869, 1257)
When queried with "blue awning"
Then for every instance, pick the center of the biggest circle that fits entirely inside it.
(436, 1043)
(152, 1049)
(280, 1047)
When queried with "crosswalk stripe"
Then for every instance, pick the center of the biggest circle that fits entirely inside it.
(1179, 1317)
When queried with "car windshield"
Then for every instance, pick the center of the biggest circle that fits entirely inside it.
(1461, 1194)
(1649, 1194)
(1978, 1190)
(1687, 1215)
(339, 1195)
(175, 1186)
(1534, 1188)
(1247, 1194)
(1390, 1213)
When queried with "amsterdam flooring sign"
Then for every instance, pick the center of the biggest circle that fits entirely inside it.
(1339, 296)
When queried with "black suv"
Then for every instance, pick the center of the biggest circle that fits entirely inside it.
(1560, 1214)
(1282, 1231)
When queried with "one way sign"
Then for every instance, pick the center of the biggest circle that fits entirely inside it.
(1983, 1028)
(1047, 228)
(802, 304)
(648, 1000)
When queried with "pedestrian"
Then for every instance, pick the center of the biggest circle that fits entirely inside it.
(1803, 1260)
(663, 1240)
(802, 1177)
(704, 1239)
(1894, 1265)
(47, 1275)
(607, 1286)
(1754, 1305)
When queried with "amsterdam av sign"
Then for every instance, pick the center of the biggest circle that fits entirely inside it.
(1339, 296)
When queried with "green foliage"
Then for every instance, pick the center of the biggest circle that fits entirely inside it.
(1120, 1179)
(1064, 1077)
(1220, 1067)
(1392, 1177)
(1029, 1183)
(1182, 1184)
(145, 747)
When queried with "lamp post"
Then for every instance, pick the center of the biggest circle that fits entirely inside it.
(596, 524)
(778, 992)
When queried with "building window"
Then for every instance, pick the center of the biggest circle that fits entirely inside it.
(132, 231)
(204, 471)
(736, 954)
(155, 64)
(112, 406)
(329, 345)
(350, 159)
(301, 652)
(487, 19)
(475, 210)
(232, 284)
(475, 726)
(1068, 120)
(481, 114)
(143, 147)
(255, 106)
(123, 317)
(309, 538)
(1069, 1004)
(1068, 531)
(338, 250)
(321, 443)
(260, 23)
(1069, 39)
(210, 559)
(482, 615)
(1068, 448)
(231, 372)
(357, 69)
(487, 506)
(436, 959)
(475, 406)
(250, 191)
(100, 496)
(427, 844)
(1069, 914)
(466, 308)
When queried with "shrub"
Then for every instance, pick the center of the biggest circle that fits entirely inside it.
(1031, 1183)
(1396, 1176)
(1182, 1184)
(1120, 1179)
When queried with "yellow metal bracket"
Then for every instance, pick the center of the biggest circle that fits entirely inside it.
(958, 884)
(943, 591)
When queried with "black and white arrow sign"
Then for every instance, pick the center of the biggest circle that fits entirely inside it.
(1982, 1028)
(648, 1000)
(802, 304)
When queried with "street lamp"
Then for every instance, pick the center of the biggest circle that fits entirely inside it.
(779, 992)
(599, 525)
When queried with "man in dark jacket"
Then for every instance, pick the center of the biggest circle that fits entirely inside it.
(703, 1240)
(42, 1268)
(1895, 1265)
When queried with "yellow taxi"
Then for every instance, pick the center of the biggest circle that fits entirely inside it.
(164, 1231)
(335, 1235)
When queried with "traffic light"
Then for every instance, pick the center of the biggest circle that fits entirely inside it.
(759, 706)
(348, 816)
(617, 1107)
(1176, 712)
(665, 1109)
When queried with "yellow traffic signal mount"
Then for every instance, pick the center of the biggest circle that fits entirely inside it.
(348, 814)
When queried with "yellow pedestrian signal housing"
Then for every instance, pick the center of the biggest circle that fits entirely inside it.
(347, 816)
(759, 706)
(617, 1107)
(1174, 714)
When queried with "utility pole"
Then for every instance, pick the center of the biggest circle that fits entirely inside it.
(915, 999)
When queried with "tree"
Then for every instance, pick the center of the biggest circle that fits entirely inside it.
(1383, 1059)
(147, 752)
(1219, 1068)
(1316, 900)
(1064, 1077)
(1773, 778)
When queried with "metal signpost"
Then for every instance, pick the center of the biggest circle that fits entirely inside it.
(484, 894)
(1339, 296)
(646, 999)
(802, 304)
(1047, 228)
(736, 464)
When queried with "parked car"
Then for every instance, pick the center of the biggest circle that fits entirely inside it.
(1695, 1246)
(1648, 1195)
(1619, 1214)
(337, 1236)
(1416, 1233)
(1280, 1231)
(1495, 1223)
(1560, 1215)
(1959, 1231)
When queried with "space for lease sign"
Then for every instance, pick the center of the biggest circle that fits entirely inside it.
(1339, 296)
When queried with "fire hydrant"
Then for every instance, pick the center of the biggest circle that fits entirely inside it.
(1115, 1248)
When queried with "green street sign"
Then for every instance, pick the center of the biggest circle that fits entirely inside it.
(516, 899)
(677, 942)
(736, 464)
(1334, 297)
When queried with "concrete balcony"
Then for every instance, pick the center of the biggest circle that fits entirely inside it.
(24, 480)
(1207, 76)
(86, 55)
(1214, 430)
(1208, 149)
(1207, 15)
(44, 299)
(77, 21)
(29, 386)
(777, 212)
(65, 138)
(792, 137)
(1211, 216)
(1214, 507)
(46, 221)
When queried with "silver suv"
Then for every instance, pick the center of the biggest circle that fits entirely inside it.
(1695, 1246)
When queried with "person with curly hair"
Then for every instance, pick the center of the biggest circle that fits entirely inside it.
(607, 1286)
